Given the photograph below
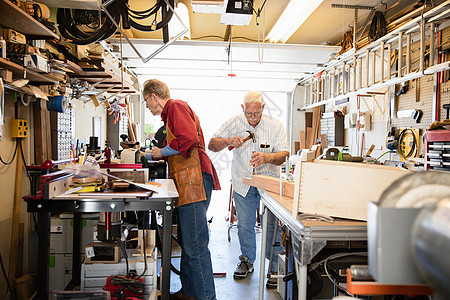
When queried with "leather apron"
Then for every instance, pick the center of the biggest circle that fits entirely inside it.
(187, 174)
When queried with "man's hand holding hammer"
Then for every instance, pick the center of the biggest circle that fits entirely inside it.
(217, 144)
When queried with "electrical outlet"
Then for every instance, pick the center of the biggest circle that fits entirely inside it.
(19, 128)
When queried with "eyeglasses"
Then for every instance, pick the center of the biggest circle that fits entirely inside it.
(256, 114)
(145, 100)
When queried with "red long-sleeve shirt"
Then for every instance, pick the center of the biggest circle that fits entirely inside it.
(179, 117)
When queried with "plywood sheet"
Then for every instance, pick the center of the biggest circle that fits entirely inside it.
(342, 189)
(286, 202)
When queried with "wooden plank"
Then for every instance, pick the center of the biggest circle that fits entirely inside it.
(42, 135)
(15, 221)
(324, 141)
(309, 131)
(315, 125)
(296, 147)
(271, 184)
(302, 140)
(308, 119)
(297, 175)
(342, 189)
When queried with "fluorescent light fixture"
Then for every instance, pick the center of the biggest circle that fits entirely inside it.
(293, 16)
(208, 6)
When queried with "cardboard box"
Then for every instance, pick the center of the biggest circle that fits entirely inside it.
(7, 75)
(12, 36)
(16, 49)
(36, 62)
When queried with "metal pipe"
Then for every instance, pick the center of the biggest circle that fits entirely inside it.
(422, 45)
(408, 53)
(400, 54)
(355, 24)
(354, 73)
(263, 253)
(360, 73)
(306, 95)
(382, 61)
(347, 67)
(333, 81)
(373, 66)
(344, 81)
(432, 50)
(389, 61)
(367, 67)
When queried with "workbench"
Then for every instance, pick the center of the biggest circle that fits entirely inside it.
(162, 201)
(308, 237)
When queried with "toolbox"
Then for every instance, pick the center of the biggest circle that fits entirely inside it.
(437, 150)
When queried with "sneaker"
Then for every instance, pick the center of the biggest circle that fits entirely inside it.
(243, 268)
(272, 282)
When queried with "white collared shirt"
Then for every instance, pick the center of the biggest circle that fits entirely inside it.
(269, 133)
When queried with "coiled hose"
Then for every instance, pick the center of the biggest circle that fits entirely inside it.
(120, 11)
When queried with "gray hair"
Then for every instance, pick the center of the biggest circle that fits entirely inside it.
(253, 97)
(155, 86)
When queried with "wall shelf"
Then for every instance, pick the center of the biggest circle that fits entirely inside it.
(369, 68)
(19, 71)
(103, 80)
(15, 18)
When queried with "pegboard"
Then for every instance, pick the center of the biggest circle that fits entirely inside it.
(445, 87)
(424, 94)
(418, 96)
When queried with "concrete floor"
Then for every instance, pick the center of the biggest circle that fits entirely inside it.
(225, 257)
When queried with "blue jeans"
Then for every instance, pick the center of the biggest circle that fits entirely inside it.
(196, 268)
(246, 209)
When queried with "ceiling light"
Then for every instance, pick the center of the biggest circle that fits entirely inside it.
(208, 6)
(293, 16)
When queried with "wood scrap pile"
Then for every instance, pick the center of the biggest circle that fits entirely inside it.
(310, 136)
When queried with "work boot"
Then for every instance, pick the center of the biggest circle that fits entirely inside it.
(272, 282)
(243, 268)
(179, 296)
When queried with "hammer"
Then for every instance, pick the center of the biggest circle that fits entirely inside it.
(251, 135)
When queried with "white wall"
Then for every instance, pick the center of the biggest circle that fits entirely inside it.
(298, 117)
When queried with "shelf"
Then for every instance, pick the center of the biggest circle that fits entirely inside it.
(103, 80)
(33, 76)
(15, 18)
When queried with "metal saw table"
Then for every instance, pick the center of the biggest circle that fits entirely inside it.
(308, 237)
(162, 201)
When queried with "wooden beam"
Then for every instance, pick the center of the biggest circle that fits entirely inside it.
(14, 254)
(271, 184)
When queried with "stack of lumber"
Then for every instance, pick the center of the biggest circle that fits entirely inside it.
(311, 134)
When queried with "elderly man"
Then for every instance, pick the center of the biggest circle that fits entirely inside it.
(195, 178)
(263, 157)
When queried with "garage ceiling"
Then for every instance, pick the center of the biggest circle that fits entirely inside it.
(209, 60)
